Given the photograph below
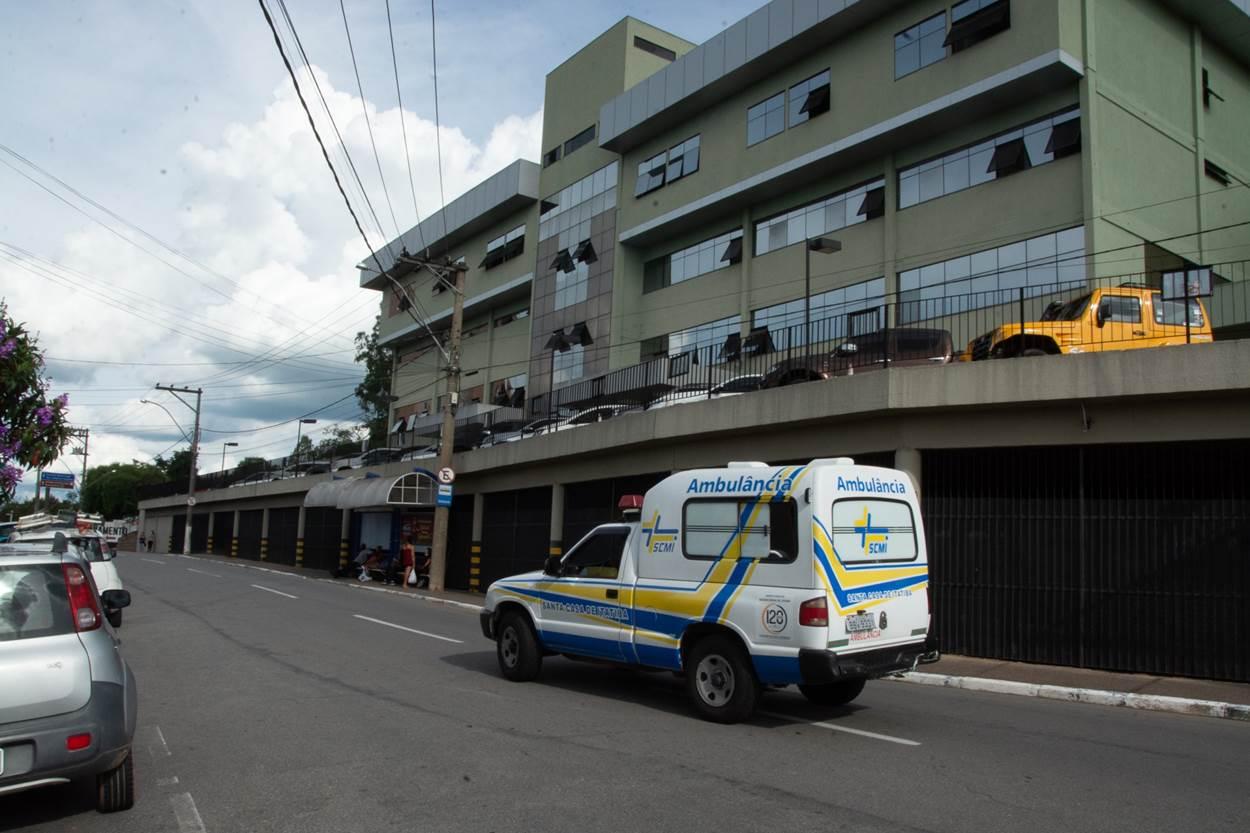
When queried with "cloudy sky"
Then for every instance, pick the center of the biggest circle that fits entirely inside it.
(195, 236)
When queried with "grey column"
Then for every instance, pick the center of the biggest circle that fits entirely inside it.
(557, 519)
(475, 547)
(264, 534)
(908, 460)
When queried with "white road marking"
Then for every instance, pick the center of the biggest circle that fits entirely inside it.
(188, 817)
(410, 630)
(848, 730)
(275, 592)
(167, 782)
(201, 572)
(153, 561)
(158, 748)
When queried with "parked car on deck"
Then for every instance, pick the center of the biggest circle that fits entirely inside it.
(736, 386)
(1126, 317)
(68, 704)
(907, 347)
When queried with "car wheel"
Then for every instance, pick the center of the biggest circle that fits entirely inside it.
(516, 646)
(114, 617)
(833, 694)
(720, 680)
(115, 789)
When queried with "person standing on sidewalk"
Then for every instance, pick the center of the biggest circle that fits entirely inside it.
(407, 557)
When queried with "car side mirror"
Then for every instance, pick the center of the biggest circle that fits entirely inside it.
(1101, 316)
(115, 599)
(552, 565)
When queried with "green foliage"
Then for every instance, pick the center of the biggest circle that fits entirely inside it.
(374, 391)
(33, 427)
(304, 448)
(250, 465)
(15, 509)
(177, 469)
(112, 490)
(338, 440)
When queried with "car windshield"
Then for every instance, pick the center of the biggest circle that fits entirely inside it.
(33, 602)
(1070, 311)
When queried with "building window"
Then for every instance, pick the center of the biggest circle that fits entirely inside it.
(584, 138)
(678, 161)
(766, 119)
(504, 247)
(920, 46)
(654, 49)
(809, 98)
(568, 365)
(650, 174)
(571, 283)
(708, 338)
(509, 392)
(551, 157)
(504, 320)
(1024, 147)
(972, 21)
(1042, 265)
(589, 197)
(846, 208)
(1216, 172)
(764, 531)
(784, 321)
(683, 160)
(706, 256)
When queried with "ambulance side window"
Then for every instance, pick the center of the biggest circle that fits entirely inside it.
(598, 556)
(735, 527)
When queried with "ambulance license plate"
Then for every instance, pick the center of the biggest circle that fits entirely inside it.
(860, 622)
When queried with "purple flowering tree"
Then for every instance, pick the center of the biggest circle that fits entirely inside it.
(33, 426)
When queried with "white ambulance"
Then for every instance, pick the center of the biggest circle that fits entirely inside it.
(740, 578)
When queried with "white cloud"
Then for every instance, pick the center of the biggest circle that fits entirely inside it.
(261, 207)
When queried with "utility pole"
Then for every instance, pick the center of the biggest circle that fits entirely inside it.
(447, 436)
(195, 447)
(83, 434)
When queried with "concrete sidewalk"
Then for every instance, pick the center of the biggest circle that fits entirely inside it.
(1212, 698)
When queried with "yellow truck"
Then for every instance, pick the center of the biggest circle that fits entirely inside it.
(1126, 317)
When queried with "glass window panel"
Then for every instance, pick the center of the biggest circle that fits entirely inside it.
(1040, 249)
(957, 268)
(755, 131)
(907, 59)
(815, 220)
(796, 227)
(906, 37)
(930, 184)
(937, 23)
(1012, 254)
(609, 201)
(985, 283)
(1012, 278)
(777, 236)
(955, 173)
(932, 274)
(908, 191)
(1042, 274)
(984, 263)
(1035, 144)
(1070, 240)
(909, 279)
(678, 268)
(707, 259)
(932, 48)
(978, 165)
(774, 123)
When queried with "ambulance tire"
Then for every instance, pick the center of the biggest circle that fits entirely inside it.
(720, 680)
(833, 694)
(516, 646)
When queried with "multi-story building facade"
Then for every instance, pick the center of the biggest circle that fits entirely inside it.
(951, 148)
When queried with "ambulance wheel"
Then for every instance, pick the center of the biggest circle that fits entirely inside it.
(833, 694)
(516, 646)
(720, 680)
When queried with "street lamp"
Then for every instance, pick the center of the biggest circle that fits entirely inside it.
(298, 432)
(824, 245)
(167, 413)
(224, 446)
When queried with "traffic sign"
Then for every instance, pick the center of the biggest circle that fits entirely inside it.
(56, 480)
(191, 501)
(446, 475)
(444, 495)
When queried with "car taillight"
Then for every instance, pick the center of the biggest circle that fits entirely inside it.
(814, 612)
(82, 601)
(75, 742)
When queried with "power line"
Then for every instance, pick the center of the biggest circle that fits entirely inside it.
(364, 107)
(438, 130)
(399, 96)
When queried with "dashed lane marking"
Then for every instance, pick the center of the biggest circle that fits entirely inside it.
(153, 561)
(847, 729)
(201, 572)
(188, 817)
(275, 592)
(409, 630)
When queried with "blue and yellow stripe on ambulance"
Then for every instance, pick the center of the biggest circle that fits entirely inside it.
(838, 581)
(712, 599)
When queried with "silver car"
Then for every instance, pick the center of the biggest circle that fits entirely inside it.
(68, 704)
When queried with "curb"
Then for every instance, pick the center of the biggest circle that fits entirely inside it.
(1148, 702)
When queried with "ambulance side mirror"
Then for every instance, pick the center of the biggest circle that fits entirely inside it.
(552, 565)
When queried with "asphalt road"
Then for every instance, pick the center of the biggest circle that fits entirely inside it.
(271, 702)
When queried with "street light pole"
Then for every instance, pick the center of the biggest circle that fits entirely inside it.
(195, 450)
(224, 446)
(298, 434)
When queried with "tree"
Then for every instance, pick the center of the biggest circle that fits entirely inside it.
(177, 469)
(113, 490)
(251, 465)
(33, 427)
(14, 509)
(338, 438)
(304, 448)
(374, 391)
